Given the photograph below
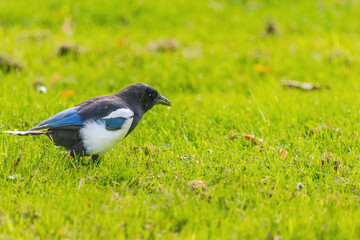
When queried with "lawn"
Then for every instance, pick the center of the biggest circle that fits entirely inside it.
(188, 171)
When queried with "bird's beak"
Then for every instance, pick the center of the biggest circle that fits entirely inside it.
(163, 101)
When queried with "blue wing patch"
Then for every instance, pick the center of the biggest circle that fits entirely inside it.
(68, 117)
(114, 123)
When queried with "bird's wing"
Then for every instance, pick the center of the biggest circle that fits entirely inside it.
(108, 109)
(67, 119)
(104, 108)
(116, 119)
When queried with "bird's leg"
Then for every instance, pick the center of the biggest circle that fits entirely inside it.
(75, 155)
(72, 154)
(95, 158)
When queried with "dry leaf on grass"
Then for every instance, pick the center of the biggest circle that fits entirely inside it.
(16, 163)
(302, 86)
(333, 161)
(233, 135)
(67, 93)
(55, 80)
(265, 180)
(254, 139)
(164, 45)
(68, 50)
(271, 28)
(262, 69)
(147, 149)
(82, 180)
(283, 153)
(121, 42)
(67, 27)
(258, 148)
(80, 183)
(7, 65)
(196, 185)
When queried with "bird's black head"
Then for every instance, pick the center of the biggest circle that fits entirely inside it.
(146, 96)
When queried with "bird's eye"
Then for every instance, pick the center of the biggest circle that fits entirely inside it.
(153, 94)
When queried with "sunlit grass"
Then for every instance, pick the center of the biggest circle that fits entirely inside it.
(221, 70)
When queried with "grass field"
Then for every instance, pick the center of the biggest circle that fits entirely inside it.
(187, 171)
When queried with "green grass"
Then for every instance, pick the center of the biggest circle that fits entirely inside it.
(141, 187)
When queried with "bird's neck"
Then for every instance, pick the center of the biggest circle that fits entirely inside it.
(132, 101)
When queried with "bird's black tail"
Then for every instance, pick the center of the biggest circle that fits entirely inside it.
(25, 133)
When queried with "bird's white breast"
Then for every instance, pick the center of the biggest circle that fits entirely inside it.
(97, 140)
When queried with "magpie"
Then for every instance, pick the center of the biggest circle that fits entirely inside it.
(92, 127)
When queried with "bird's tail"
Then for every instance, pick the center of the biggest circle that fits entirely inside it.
(25, 133)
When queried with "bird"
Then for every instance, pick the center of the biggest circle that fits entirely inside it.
(94, 126)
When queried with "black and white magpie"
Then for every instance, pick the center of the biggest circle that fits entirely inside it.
(92, 127)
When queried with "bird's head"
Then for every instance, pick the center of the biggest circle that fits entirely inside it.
(146, 95)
